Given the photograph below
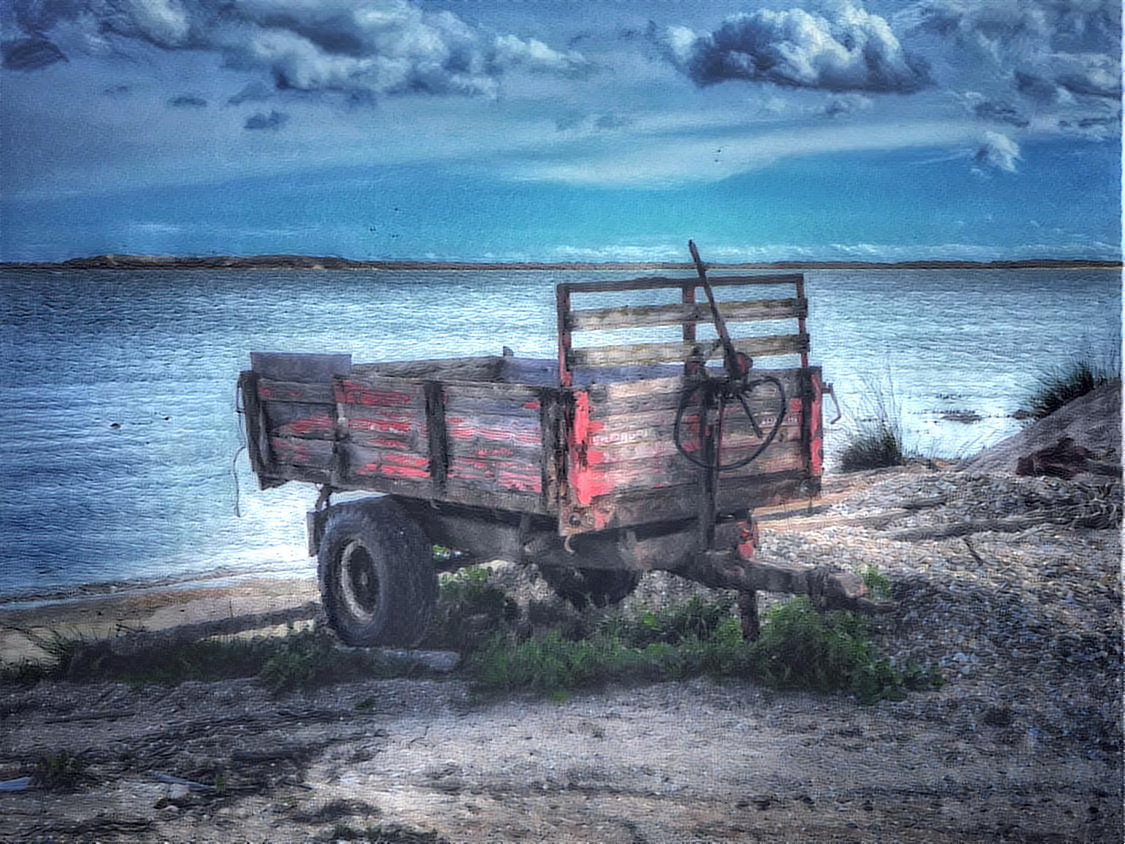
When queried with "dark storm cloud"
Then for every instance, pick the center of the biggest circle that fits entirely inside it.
(30, 54)
(394, 46)
(847, 49)
(1046, 47)
(272, 121)
(1000, 113)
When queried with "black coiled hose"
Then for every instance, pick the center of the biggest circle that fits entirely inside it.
(719, 393)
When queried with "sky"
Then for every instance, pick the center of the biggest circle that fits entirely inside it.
(561, 130)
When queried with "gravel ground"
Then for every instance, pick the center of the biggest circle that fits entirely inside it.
(1023, 743)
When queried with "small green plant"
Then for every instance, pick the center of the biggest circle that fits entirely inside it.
(470, 608)
(877, 583)
(1062, 385)
(801, 648)
(61, 771)
(313, 658)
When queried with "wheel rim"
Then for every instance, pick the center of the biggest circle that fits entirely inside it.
(359, 585)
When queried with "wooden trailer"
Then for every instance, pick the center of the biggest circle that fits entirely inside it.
(633, 451)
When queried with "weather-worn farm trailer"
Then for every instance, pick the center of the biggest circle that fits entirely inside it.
(634, 451)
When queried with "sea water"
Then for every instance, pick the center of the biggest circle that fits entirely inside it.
(121, 458)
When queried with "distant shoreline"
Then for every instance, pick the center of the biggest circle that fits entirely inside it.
(306, 262)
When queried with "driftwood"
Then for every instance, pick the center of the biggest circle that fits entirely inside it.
(1095, 519)
(1064, 459)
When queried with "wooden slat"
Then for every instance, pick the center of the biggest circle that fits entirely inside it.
(380, 392)
(497, 474)
(388, 433)
(681, 502)
(362, 462)
(632, 476)
(615, 413)
(663, 282)
(609, 391)
(295, 391)
(515, 408)
(659, 446)
(482, 448)
(468, 493)
(300, 419)
(321, 427)
(668, 352)
(494, 429)
(302, 452)
(647, 316)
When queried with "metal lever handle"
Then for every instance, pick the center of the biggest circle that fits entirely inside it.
(737, 365)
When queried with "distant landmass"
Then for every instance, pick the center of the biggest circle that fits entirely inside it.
(308, 262)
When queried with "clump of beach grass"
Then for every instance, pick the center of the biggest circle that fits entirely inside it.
(1066, 382)
(875, 440)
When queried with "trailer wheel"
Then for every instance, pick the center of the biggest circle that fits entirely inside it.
(377, 579)
(597, 587)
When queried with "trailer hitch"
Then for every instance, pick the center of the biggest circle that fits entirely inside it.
(713, 394)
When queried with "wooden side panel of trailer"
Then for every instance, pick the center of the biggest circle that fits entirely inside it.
(624, 470)
(449, 431)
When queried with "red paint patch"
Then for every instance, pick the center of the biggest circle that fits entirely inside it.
(354, 392)
(312, 425)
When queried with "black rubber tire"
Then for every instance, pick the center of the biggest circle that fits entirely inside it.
(585, 587)
(377, 579)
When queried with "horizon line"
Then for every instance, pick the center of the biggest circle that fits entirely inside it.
(313, 262)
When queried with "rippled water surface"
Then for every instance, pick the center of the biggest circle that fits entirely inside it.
(118, 408)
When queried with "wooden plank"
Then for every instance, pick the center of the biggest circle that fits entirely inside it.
(481, 448)
(494, 429)
(608, 390)
(511, 408)
(295, 391)
(657, 444)
(594, 356)
(497, 474)
(318, 427)
(380, 392)
(462, 492)
(627, 476)
(763, 399)
(663, 282)
(646, 316)
(648, 506)
(388, 433)
(474, 369)
(363, 462)
(499, 393)
(293, 451)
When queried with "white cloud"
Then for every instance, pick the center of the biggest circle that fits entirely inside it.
(369, 46)
(848, 49)
(998, 151)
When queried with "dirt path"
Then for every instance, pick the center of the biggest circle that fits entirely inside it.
(668, 762)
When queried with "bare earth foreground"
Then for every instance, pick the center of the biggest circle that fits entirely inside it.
(1012, 585)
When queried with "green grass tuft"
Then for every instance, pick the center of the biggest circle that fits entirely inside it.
(1062, 385)
(875, 441)
(470, 609)
(799, 648)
